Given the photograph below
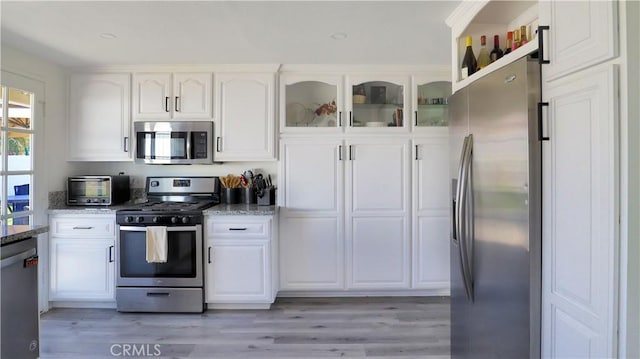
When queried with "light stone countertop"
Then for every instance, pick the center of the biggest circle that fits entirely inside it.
(17, 233)
(241, 210)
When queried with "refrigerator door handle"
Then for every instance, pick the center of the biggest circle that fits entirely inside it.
(456, 201)
(465, 225)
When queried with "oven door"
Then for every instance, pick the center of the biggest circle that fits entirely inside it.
(184, 258)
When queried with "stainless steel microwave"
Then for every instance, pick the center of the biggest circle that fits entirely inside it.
(97, 190)
(175, 142)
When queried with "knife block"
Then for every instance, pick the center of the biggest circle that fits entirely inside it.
(268, 197)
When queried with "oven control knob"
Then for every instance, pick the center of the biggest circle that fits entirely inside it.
(155, 219)
(185, 220)
(174, 219)
(128, 219)
(139, 219)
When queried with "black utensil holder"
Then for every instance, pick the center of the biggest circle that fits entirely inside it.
(232, 195)
(268, 197)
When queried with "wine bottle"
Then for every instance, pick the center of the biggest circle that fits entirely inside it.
(496, 53)
(516, 40)
(469, 63)
(509, 41)
(523, 35)
(483, 56)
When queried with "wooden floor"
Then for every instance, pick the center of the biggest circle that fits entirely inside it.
(387, 327)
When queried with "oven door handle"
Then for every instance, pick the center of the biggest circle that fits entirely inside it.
(169, 229)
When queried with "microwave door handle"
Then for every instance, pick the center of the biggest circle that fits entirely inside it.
(88, 179)
(189, 140)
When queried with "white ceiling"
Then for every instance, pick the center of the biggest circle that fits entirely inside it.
(230, 32)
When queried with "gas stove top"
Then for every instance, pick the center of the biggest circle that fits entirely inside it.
(172, 201)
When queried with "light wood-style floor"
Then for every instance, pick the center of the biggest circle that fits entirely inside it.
(381, 327)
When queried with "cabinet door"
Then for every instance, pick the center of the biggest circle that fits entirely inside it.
(378, 103)
(238, 273)
(245, 126)
(431, 207)
(378, 176)
(312, 176)
(580, 216)
(378, 255)
(152, 98)
(99, 117)
(311, 103)
(429, 104)
(581, 34)
(192, 95)
(82, 269)
(311, 253)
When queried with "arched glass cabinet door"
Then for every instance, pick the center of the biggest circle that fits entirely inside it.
(431, 104)
(378, 104)
(311, 104)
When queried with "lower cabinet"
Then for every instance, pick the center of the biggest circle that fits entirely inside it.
(82, 258)
(240, 262)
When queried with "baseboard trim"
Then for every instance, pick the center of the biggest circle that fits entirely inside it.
(376, 293)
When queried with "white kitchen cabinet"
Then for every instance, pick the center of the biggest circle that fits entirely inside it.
(311, 253)
(99, 117)
(377, 103)
(312, 214)
(489, 17)
(588, 38)
(82, 258)
(166, 96)
(429, 102)
(430, 214)
(311, 103)
(240, 262)
(245, 122)
(580, 215)
(378, 239)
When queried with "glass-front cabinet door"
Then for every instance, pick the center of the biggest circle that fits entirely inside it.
(377, 103)
(430, 103)
(311, 103)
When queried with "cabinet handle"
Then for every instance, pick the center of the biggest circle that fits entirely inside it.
(340, 118)
(163, 294)
(350, 119)
(238, 229)
(218, 144)
(416, 152)
(111, 254)
(176, 105)
(350, 153)
(541, 137)
(541, 59)
(209, 255)
(339, 152)
(416, 118)
(166, 104)
(82, 227)
(126, 144)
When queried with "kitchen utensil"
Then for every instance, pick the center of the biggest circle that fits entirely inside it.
(270, 183)
(243, 181)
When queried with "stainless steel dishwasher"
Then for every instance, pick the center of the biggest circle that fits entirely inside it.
(19, 296)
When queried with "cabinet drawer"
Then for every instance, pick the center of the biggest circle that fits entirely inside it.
(83, 227)
(240, 228)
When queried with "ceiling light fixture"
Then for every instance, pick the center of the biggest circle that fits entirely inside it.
(108, 36)
(338, 36)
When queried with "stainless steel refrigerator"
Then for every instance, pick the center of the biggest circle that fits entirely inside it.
(496, 214)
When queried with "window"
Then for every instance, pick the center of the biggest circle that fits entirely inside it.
(16, 138)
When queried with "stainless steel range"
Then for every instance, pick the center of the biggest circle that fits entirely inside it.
(175, 283)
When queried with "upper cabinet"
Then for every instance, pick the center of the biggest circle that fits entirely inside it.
(430, 103)
(245, 125)
(377, 102)
(311, 103)
(165, 96)
(591, 37)
(99, 117)
(490, 18)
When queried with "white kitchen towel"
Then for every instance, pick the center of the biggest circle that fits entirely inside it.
(157, 244)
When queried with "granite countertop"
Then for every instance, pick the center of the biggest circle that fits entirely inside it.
(241, 210)
(17, 233)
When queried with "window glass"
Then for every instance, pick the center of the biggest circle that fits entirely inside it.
(19, 109)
